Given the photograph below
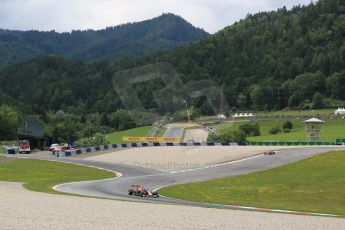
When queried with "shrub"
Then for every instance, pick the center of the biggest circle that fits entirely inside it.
(251, 129)
(256, 131)
(275, 130)
(100, 139)
(212, 137)
(97, 140)
(237, 136)
(288, 125)
(287, 130)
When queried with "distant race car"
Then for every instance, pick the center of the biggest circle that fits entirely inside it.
(270, 153)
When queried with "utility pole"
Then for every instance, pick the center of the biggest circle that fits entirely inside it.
(222, 102)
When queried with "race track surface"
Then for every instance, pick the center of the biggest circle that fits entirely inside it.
(174, 131)
(117, 188)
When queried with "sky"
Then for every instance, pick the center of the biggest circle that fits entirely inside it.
(67, 15)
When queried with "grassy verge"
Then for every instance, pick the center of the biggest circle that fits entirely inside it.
(332, 130)
(162, 132)
(42, 176)
(312, 185)
(116, 138)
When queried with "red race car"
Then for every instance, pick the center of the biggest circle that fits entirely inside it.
(138, 190)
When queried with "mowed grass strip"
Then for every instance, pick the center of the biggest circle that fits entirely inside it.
(298, 112)
(316, 184)
(116, 138)
(42, 176)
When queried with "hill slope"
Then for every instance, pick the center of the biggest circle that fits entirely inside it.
(267, 61)
(132, 39)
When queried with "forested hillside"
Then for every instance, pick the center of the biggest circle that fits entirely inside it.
(133, 39)
(267, 61)
(275, 60)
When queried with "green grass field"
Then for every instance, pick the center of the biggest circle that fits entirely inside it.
(116, 138)
(332, 130)
(316, 184)
(280, 113)
(42, 176)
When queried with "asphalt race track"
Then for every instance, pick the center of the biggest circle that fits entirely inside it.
(117, 188)
(174, 132)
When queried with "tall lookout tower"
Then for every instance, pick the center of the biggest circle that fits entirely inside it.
(313, 127)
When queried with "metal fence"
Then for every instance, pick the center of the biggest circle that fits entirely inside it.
(290, 143)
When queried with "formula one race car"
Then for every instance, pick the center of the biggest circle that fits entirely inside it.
(270, 153)
(138, 190)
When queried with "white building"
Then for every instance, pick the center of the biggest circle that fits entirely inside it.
(313, 127)
(243, 115)
(221, 117)
(340, 111)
